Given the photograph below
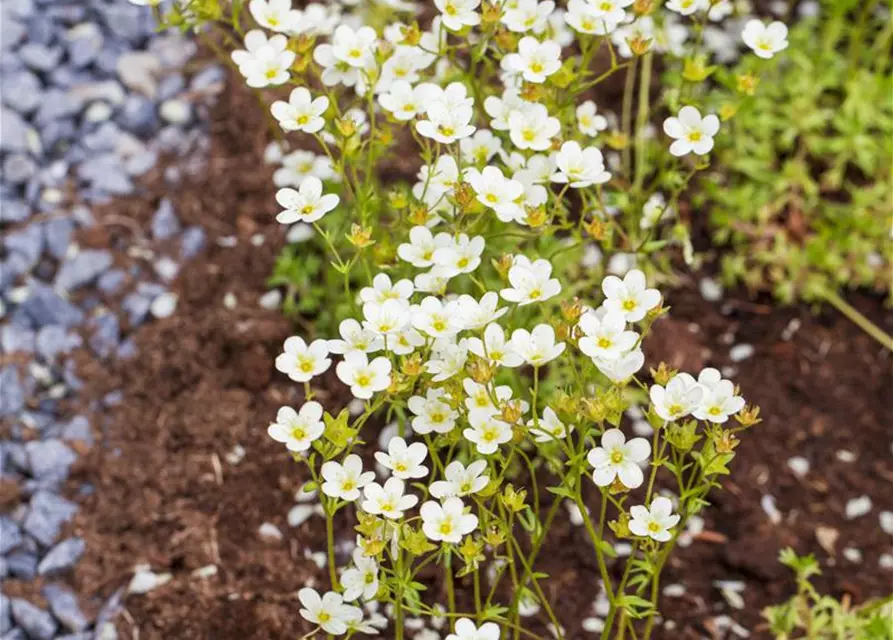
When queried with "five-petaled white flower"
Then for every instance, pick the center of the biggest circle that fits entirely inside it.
(360, 580)
(461, 255)
(435, 318)
(521, 16)
(487, 432)
(404, 461)
(537, 347)
(475, 314)
(495, 348)
(386, 318)
(328, 611)
(549, 427)
(301, 112)
(447, 359)
(495, 191)
(532, 127)
(719, 401)
(680, 397)
(654, 522)
(388, 501)
(622, 368)
(465, 629)
(364, 378)
(307, 204)
(404, 101)
(298, 429)
(447, 521)
(687, 7)
(383, 289)
(531, 281)
(617, 458)
(355, 338)
(460, 480)
(264, 61)
(419, 251)
(691, 132)
(535, 60)
(630, 296)
(580, 167)
(457, 14)
(605, 335)
(589, 122)
(432, 413)
(276, 15)
(344, 480)
(446, 124)
(300, 361)
(765, 40)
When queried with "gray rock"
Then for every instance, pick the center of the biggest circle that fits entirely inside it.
(64, 606)
(12, 32)
(138, 115)
(15, 131)
(106, 334)
(170, 85)
(15, 454)
(192, 242)
(5, 614)
(127, 21)
(127, 350)
(83, 269)
(57, 233)
(44, 306)
(140, 163)
(84, 45)
(53, 340)
(18, 168)
(37, 623)
(49, 458)
(46, 515)
(110, 281)
(209, 78)
(40, 57)
(136, 307)
(22, 565)
(10, 535)
(57, 131)
(106, 174)
(12, 393)
(15, 634)
(16, 339)
(78, 429)
(19, 8)
(165, 223)
(62, 557)
(14, 211)
(22, 92)
(57, 104)
(27, 241)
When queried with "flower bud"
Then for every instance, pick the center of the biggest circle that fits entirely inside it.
(503, 265)
(639, 45)
(617, 140)
(512, 499)
(346, 126)
(683, 437)
(304, 43)
(620, 526)
(398, 199)
(725, 442)
(464, 196)
(747, 83)
(494, 537)
(727, 111)
(480, 370)
(749, 416)
(643, 7)
(412, 35)
(412, 366)
(663, 374)
(532, 92)
(696, 69)
(418, 215)
(360, 237)
(571, 310)
(596, 229)
(594, 409)
(505, 40)
(537, 217)
(511, 411)
(491, 13)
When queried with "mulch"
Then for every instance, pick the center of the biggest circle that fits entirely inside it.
(173, 492)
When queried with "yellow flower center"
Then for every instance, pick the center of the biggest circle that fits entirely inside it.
(305, 365)
(363, 379)
(695, 136)
(653, 527)
(675, 409)
(604, 343)
(629, 304)
(446, 528)
(616, 457)
(298, 433)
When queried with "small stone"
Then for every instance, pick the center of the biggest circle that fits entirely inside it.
(16, 339)
(37, 623)
(230, 301)
(768, 504)
(53, 340)
(857, 507)
(12, 393)
(192, 241)
(165, 223)
(166, 269)
(205, 572)
(49, 457)
(799, 466)
(144, 580)
(22, 92)
(111, 281)
(741, 352)
(78, 430)
(299, 233)
(62, 557)
(10, 535)
(64, 606)
(136, 307)
(164, 305)
(57, 105)
(26, 242)
(57, 234)
(140, 163)
(22, 565)
(845, 456)
(208, 80)
(885, 561)
(83, 269)
(300, 513)
(271, 299)
(269, 531)
(886, 520)
(40, 57)
(15, 131)
(106, 334)
(138, 70)
(138, 116)
(5, 615)
(674, 590)
(852, 554)
(84, 44)
(44, 306)
(177, 112)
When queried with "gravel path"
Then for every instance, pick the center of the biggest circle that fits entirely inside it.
(92, 99)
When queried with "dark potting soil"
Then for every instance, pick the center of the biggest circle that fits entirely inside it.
(174, 491)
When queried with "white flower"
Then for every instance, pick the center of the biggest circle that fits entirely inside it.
(531, 282)
(432, 413)
(446, 124)
(480, 148)
(719, 401)
(599, 18)
(405, 342)
(432, 282)
(457, 14)
(465, 629)
(435, 318)
(386, 318)
(606, 337)
(361, 579)
(527, 15)
(629, 296)
(624, 367)
(691, 132)
(588, 121)
(681, 396)
(617, 458)
(495, 348)
(405, 101)
(580, 167)
(355, 339)
(388, 501)
(478, 398)
(419, 251)
(344, 480)
(447, 522)
(447, 360)
(654, 522)
(532, 128)
(299, 165)
(655, 210)
(537, 347)
(350, 53)
(298, 429)
(329, 612)
(264, 61)
(460, 480)
(383, 290)
(549, 427)
(301, 112)
(687, 7)
(364, 378)
(487, 432)
(300, 361)
(276, 15)
(495, 191)
(535, 60)
(404, 461)
(474, 314)
(765, 40)
(461, 255)
(499, 109)
(307, 204)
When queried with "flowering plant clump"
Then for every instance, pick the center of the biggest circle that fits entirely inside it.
(456, 167)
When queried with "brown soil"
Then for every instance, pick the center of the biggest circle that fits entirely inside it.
(169, 494)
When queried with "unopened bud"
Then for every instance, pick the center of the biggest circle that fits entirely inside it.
(572, 310)
(480, 370)
(360, 237)
(747, 83)
(639, 45)
(412, 35)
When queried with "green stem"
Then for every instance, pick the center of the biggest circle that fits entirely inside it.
(857, 318)
(642, 121)
(330, 543)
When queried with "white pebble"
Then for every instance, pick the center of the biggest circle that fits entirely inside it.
(885, 561)
(166, 269)
(852, 554)
(227, 241)
(593, 625)
(164, 305)
(886, 519)
(576, 517)
(799, 466)
(301, 513)
(303, 495)
(741, 352)
(230, 301)
(271, 299)
(98, 112)
(623, 549)
(269, 531)
(710, 289)
(236, 455)
(857, 507)
(175, 111)
(205, 572)
(258, 240)
(845, 456)
(144, 580)
(674, 590)
(768, 504)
